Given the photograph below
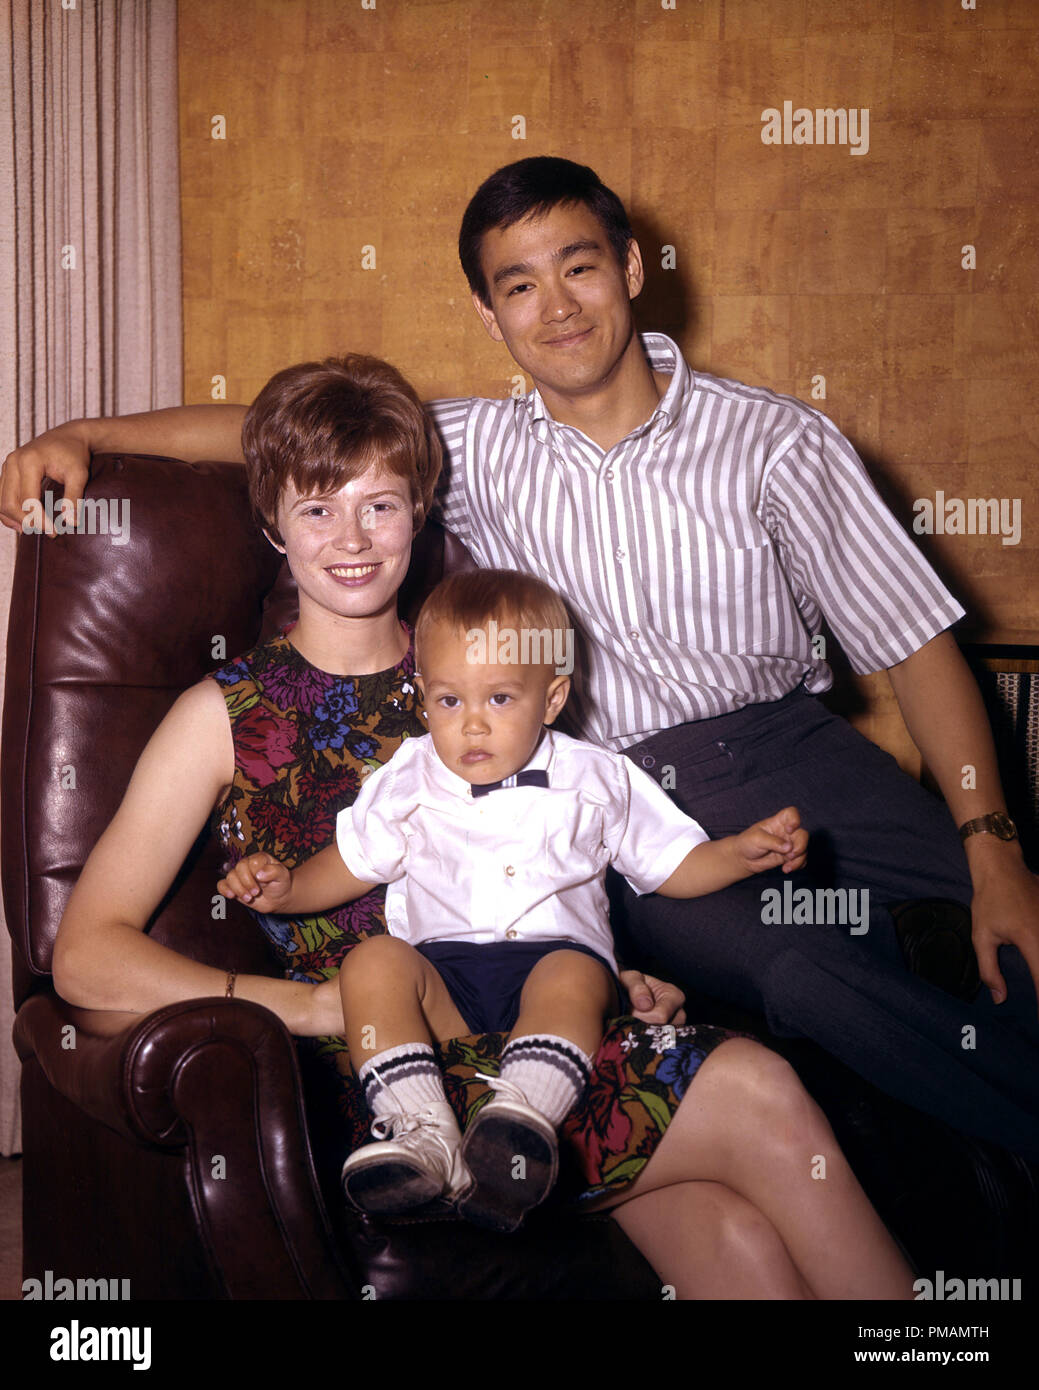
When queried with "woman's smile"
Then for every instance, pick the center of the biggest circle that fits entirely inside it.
(353, 575)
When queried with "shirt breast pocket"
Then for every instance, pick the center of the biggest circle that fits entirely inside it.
(729, 591)
(574, 837)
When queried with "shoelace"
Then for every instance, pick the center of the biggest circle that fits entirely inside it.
(398, 1123)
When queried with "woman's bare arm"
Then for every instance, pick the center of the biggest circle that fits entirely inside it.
(102, 957)
(188, 432)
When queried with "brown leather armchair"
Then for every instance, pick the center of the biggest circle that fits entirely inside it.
(125, 1115)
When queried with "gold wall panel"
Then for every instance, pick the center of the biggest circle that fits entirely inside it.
(349, 127)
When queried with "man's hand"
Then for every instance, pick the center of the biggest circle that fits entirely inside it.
(61, 454)
(776, 842)
(189, 432)
(946, 718)
(1005, 912)
(653, 1001)
(259, 881)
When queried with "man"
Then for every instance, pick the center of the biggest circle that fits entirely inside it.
(700, 531)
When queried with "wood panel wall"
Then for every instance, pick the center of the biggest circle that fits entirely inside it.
(368, 123)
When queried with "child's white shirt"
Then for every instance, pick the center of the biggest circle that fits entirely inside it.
(519, 863)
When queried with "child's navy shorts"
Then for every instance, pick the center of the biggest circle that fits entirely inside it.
(485, 982)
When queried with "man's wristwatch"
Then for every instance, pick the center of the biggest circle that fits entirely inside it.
(998, 824)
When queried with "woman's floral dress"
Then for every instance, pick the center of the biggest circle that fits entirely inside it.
(304, 741)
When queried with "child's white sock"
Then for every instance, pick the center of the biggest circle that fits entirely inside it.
(404, 1078)
(552, 1073)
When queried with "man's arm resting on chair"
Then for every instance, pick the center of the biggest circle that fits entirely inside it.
(189, 432)
(945, 715)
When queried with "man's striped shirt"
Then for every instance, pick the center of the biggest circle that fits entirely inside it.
(699, 555)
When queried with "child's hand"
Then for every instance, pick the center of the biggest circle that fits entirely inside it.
(777, 841)
(259, 881)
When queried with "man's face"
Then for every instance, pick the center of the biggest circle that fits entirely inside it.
(349, 550)
(485, 718)
(560, 301)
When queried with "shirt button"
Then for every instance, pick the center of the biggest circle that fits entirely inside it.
(619, 553)
(512, 933)
(509, 870)
(649, 761)
(634, 635)
(610, 475)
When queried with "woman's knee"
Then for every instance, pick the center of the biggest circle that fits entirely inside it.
(757, 1081)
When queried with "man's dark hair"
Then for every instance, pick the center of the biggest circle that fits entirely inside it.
(535, 186)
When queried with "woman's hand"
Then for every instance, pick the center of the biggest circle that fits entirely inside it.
(324, 1011)
(260, 882)
(62, 454)
(652, 1000)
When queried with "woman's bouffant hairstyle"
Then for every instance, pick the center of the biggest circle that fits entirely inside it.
(319, 425)
(472, 598)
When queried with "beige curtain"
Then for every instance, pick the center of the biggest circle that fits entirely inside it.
(90, 303)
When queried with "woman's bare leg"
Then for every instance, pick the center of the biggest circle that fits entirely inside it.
(748, 1123)
(707, 1242)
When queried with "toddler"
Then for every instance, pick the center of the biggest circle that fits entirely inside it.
(493, 834)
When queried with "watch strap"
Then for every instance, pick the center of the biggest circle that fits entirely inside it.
(997, 823)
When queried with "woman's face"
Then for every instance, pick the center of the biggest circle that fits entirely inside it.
(349, 550)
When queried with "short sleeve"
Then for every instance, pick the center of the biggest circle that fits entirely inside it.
(846, 556)
(451, 500)
(650, 835)
(370, 833)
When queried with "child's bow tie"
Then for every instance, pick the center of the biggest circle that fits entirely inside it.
(536, 777)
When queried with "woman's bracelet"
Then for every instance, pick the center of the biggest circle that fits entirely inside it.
(229, 988)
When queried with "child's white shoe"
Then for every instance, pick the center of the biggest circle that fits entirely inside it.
(416, 1158)
(512, 1155)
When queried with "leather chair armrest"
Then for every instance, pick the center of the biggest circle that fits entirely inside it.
(121, 1068)
(218, 1078)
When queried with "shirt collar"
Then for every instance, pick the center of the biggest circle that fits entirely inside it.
(449, 781)
(664, 356)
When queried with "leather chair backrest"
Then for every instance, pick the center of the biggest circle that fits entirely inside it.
(105, 632)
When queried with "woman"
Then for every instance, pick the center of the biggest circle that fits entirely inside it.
(702, 1143)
